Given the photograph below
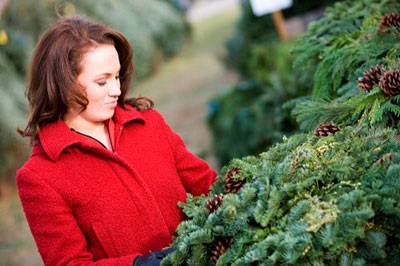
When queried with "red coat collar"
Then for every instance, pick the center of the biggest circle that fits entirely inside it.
(57, 136)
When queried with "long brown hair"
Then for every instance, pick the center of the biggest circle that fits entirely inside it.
(56, 63)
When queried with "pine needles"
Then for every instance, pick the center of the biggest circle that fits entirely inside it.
(331, 199)
(323, 202)
(349, 44)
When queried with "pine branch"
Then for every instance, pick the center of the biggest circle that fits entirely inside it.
(311, 113)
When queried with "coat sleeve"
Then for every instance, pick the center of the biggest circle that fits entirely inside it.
(54, 228)
(195, 173)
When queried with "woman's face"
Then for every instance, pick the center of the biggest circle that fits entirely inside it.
(100, 79)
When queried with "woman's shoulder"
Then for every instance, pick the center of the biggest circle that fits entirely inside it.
(145, 114)
(153, 113)
(152, 119)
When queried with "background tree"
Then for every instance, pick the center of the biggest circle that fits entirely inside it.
(249, 116)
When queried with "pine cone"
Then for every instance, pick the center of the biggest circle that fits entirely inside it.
(370, 78)
(324, 130)
(387, 21)
(390, 82)
(214, 203)
(220, 248)
(232, 184)
(385, 157)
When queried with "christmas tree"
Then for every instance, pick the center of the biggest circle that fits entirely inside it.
(311, 200)
(327, 197)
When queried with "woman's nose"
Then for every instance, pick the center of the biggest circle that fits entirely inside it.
(116, 88)
(115, 91)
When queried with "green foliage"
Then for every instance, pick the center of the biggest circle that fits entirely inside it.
(307, 201)
(338, 49)
(311, 200)
(13, 107)
(249, 117)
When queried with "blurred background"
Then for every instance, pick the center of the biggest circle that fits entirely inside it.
(220, 75)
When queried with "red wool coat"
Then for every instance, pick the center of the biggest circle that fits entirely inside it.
(87, 205)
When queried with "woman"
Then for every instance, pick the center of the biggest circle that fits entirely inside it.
(106, 173)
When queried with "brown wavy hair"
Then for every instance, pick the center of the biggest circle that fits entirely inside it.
(56, 63)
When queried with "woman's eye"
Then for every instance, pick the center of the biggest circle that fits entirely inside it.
(117, 77)
(101, 83)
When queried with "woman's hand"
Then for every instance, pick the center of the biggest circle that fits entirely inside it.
(152, 259)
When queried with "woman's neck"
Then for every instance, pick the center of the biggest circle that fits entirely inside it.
(98, 131)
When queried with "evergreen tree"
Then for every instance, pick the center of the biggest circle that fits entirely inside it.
(327, 197)
(311, 200)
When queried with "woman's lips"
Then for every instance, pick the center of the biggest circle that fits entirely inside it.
(112, 104)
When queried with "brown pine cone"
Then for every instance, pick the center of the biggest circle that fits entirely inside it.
(214, 203)
(232, 184)
(370, 78)
(389, 20)
(390, 82)
(324, 130)
(220, 248)
(385, 157)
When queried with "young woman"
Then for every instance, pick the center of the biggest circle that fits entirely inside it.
(105, 175)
